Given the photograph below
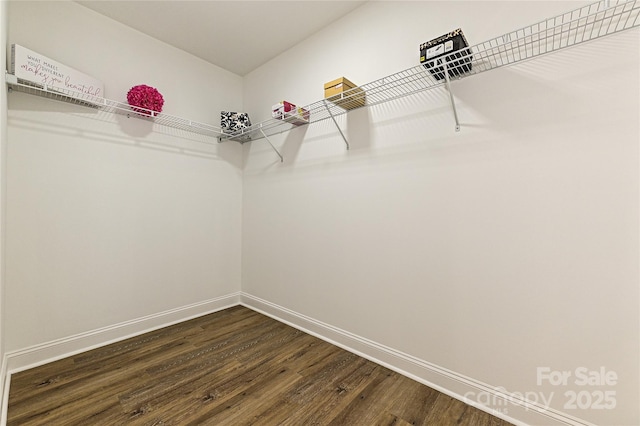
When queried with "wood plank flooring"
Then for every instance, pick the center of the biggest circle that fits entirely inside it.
(234, 367)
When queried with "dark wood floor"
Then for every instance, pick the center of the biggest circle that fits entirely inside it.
(234, 367)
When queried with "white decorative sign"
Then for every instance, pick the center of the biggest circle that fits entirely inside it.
(36, 68)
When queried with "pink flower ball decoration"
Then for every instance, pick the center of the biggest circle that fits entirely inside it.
(147, 97)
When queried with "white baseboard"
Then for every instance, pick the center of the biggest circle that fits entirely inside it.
(34, 356)
(509, 407)
(5, 380)
(61, 348)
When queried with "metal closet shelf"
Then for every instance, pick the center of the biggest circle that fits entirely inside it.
(587, 23)
(111, 106)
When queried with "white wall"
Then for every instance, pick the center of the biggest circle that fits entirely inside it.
(111, 219)
(3, 145)
(507, 247)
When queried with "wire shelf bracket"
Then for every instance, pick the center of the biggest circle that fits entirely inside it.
(453, 102)
(326, 104)
(264, 135)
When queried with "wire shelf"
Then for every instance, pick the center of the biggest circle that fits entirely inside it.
(111, 106)
(590, 22)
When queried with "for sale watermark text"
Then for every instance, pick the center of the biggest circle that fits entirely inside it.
(594, 399)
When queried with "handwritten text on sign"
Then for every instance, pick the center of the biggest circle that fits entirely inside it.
(29, 65)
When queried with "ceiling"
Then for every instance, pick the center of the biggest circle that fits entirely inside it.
(238, 36)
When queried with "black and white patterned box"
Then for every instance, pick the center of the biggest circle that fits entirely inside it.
(231, 122)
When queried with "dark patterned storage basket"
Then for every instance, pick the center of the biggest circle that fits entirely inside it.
(451, 47)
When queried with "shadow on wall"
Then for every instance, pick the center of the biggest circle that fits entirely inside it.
(44, 115)
(536, 97)
(355, 127)
(289, 148)
(293, 142)
(358, 132)
(529, 95)
(513, 104)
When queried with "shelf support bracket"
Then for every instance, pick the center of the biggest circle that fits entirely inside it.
(273, 147)
(326, 105)
(453, 103)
